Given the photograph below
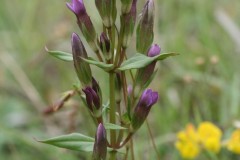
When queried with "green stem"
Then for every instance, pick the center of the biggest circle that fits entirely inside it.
(113, 155)
(132, 149)
(112, 108)
(111, 33)
(152, 139)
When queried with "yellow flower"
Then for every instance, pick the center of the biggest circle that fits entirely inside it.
(187, 143)
(210, 136)
(234, 142)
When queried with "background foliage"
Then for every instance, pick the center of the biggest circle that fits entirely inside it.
(203, 83)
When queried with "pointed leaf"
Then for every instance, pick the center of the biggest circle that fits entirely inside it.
(141, 60)
(113, 126)
(163, 56)
(74, 141)
(135, 62)
(60, 55)
(104, 66)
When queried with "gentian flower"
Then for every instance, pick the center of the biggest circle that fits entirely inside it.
(105, 45)
(82, 68)
(145, 103)
(84, 22)
(100, 145)
(144, 74)
(92, 99)
(145, 28)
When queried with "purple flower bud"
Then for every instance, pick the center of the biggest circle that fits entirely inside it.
(107, 10)
(100, 145)
(154, 50)
(95, 85)
(82, 68)
(127, 24)
(77, 7)
(144, 74)
(92, 98)
(84, 22)
(105, 45)
(145, 28)
(145, 103)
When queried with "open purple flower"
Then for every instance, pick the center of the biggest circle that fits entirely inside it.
(145, 103)
(100, 145)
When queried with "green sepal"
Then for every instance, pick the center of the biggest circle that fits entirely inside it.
(140, 61)
(125, 118)
(73, 141)
(60, 55)
(113, 126)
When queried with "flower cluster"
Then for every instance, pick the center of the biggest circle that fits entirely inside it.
(127, 108)
(191, 140)
(207, 137)
(233, 144)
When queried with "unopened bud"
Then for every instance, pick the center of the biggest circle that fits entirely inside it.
(107, 10)
(100, 144)
(92, 98)
(126, 6)
(145, 28)
(144, 74)
(82, 68)
(105, 45)
(84, 22)
(127, 24)
(141, 111)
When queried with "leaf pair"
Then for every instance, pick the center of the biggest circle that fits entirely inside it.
(135, 62)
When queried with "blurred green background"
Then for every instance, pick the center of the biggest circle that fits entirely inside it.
(203, 83)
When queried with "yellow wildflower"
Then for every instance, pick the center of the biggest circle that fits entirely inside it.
(187, 143)
(234, 143)
(210, 136)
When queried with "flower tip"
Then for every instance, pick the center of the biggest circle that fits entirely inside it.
(75, 38)
(155, 97)
(154, 50)
(101, 132)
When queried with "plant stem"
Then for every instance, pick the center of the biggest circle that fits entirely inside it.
(132, 149)
(113, 155)
(152, 139)
(112, 108)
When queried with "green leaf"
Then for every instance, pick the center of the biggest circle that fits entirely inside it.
(106, 67)
(74, 141)
(135, 62)
(141, 60)
(163, 56)
(60, 55)
(113, 126)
